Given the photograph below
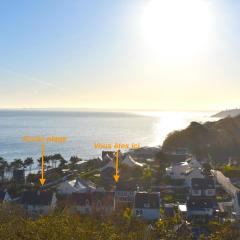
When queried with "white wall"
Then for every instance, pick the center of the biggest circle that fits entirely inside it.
(149, 214)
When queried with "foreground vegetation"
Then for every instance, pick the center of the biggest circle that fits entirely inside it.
(121, 226)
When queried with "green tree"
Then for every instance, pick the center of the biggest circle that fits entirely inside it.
(173, 229)
(147, 177)
(3, 167)
(74, 160)
(161, 162)
(57, 158)
(227, 230)
(17, 164)
(28, 162)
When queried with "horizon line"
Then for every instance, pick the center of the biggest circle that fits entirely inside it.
(107, 109)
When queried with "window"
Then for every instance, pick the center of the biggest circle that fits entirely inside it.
(139, 212)
(210, 192)
(196, 192)
(146, 205)
(99, 204)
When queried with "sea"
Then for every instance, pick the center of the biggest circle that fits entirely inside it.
(84, 129)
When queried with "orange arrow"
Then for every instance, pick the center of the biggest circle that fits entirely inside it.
(116, 176)
(42, 179)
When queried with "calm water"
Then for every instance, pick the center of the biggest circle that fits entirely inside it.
(83, 129)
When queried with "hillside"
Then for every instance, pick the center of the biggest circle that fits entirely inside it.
(220, 139)
(228, 113)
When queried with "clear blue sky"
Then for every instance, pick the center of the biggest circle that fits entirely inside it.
(120, 54)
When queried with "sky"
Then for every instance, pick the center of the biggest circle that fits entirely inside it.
(122, 54)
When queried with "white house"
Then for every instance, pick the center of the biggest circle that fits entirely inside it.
(39, 202)
(147, 205)
(177, 171)
(77, 185)
(130, 162)
(191, 168)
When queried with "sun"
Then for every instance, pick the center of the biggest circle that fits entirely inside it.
(177, 27)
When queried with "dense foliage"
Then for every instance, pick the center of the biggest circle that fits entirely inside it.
(122, 226)
(214, 140)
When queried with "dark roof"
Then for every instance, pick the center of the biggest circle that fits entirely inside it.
(193, 203)
(87, 184)
(2, 195)
(81, 198)
(147, 200)
(202, 183)
(108, 155)
(106, 198)
(37, 197)
(108, 171)
(125, 186)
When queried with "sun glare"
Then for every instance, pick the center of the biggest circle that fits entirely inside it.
(177, 28)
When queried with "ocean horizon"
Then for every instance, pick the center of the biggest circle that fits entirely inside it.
(85, 128)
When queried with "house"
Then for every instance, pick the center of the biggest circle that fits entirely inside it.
(147, 205)
(130, 162)
(124, 194)
(96, 202)
(108, 155)
(39, 202)
(108, 170)
(200, 207)
(193, 173)
(106, 176)
(4, 197)
(202, 187)
(81, 202)
(103, 203)
(110, 164)
(194, 170)
(236, 203)
(77, 185)
(186, 170)
(169, 210)
(177, 170)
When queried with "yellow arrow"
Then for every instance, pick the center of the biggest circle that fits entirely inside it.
(42, 179)
(116, 176)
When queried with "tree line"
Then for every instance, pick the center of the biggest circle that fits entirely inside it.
(50, 161)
